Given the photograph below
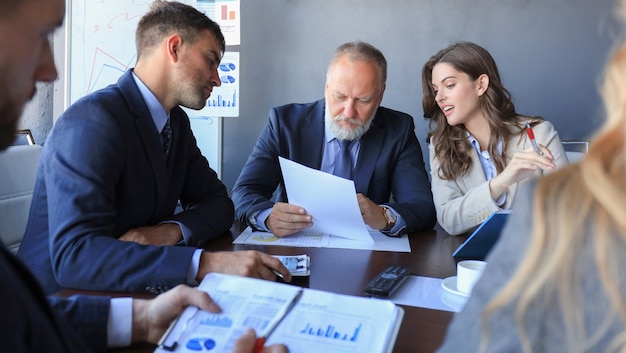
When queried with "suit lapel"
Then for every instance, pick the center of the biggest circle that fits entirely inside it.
(476, 173)
(313, 137)
(514, 145)
(147, 134)
(371, 146)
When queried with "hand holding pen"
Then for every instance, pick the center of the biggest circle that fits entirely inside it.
(531, 136)
(260, 342)
(542, 151)
(522, 165)
(247, 344)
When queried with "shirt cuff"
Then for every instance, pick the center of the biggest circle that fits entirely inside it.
(257, 219)
(120, 322)
(500, 201)
(186, 232)
(192, 271)
(399, 227)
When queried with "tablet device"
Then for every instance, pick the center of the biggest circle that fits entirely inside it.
(480, 242)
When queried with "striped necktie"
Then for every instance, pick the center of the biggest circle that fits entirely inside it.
(166, 137)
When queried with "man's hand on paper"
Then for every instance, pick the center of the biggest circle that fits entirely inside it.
(247, 341)
(249, 263)
(152, 317)
(371, 212)
(286, 219)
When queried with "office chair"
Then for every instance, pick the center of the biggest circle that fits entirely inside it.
(575, 149)
(18, 169)
(23, 137)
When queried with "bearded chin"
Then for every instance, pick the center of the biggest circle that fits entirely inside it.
(348, 134)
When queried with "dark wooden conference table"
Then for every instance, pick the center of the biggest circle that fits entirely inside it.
(347, 271)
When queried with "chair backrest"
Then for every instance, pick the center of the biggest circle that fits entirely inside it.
(575, 149)
(18, 169)
(23, 137)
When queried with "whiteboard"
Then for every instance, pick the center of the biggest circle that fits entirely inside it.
(100, 47)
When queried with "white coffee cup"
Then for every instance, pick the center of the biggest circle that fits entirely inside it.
(467, 273)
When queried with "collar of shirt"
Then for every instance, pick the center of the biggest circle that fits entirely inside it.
(331, 149)
(159, 115)
(489, 168)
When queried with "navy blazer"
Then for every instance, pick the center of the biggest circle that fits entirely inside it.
(103, 172)
(390, 162)
(29, 324)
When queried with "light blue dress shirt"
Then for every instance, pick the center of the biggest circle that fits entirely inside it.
(489, 168)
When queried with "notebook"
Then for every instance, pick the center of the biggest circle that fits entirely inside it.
(480, 242)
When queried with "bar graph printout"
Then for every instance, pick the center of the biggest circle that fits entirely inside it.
(101, 47)
(224, 100)
(319, 322)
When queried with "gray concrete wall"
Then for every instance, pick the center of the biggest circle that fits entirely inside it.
(549, 52)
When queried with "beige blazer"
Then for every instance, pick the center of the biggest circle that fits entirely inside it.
(462, 204)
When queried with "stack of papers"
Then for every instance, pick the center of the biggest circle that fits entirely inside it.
(329, 199)
(337, 220)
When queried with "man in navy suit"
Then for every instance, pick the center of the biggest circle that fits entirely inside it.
(117, 162)
(385, 159)
(80, 324)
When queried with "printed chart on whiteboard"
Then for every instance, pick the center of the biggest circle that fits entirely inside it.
(224, 100)
(101, 47)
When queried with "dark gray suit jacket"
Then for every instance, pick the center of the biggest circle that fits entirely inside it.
(389, 163)
(103, 172)
(30, 324)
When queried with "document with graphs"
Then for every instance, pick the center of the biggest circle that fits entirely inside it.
(305, 320)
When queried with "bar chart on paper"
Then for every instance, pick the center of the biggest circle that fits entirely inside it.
(330, 328)
(329, 331)
(217, 321)
(224, 100)
(101, 49)
(221, 101)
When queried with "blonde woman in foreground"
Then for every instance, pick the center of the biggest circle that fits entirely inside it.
(555, 281)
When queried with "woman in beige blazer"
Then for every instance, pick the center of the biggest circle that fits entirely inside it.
(479, 148)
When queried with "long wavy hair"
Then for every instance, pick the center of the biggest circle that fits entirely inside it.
(452, 147)
(575, 208)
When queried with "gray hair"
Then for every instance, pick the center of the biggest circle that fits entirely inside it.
(361, 51)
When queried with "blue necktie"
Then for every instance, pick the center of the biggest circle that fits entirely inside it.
(343, 161)
(166, 137)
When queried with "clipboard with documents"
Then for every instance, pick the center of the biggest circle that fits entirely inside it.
(316, 321)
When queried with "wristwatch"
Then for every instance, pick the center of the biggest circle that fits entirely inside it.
(390, 217)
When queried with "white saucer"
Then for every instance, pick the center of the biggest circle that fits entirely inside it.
(449, 285)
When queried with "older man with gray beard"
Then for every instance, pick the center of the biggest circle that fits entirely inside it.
(347, 134)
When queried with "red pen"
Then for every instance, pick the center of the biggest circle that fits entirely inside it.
(531, 136)
(260, 342)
